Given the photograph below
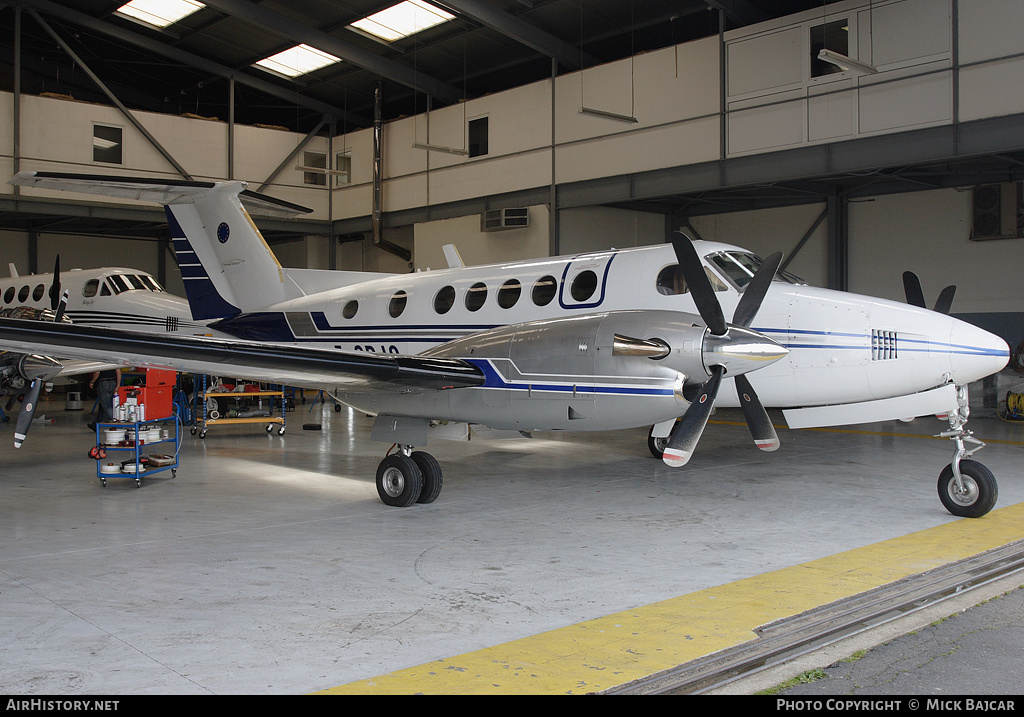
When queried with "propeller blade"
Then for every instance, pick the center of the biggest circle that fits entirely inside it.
(912, 288)
(687, 431)
(700, 286)
(55, 286)
(760, 425)
(61, 307)
(27, 413)
(757, 288)
(945, 301)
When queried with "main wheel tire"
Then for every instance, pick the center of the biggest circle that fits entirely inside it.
(980, 490)
(656, 445)
(399, 481)
(432, 476)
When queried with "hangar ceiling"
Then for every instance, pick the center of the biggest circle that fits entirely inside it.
(487, 46)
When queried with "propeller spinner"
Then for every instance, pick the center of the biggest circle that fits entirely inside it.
(732, 345)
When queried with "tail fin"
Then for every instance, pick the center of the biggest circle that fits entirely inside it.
(227, 266)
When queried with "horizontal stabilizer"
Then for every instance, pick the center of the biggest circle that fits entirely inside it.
(164, 191)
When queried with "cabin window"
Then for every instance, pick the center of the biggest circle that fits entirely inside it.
(350, 309)
(544, 290)
(23, 294)
(584, 285)
(476, 296)
(89, 290)
(509, 293)
(444, 300)
(670, 281)
(9, 295)
(38, 292)
(397, 304)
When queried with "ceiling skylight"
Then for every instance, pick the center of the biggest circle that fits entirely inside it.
(160, 13)
(297, 61)
(401, 20)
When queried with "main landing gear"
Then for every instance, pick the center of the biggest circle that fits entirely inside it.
(966, 488)
(409, 477)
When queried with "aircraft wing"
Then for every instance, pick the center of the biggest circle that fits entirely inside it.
(286, 365)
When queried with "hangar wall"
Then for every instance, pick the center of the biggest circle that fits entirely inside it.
(934, 69)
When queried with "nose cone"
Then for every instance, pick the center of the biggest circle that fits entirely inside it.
(975, 353)
(741, 350)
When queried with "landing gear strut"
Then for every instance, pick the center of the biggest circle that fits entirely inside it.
(409, 477)
(966, 488)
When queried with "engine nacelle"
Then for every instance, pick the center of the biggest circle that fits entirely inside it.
(600, 371)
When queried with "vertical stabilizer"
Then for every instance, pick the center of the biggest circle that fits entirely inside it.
(226, 265)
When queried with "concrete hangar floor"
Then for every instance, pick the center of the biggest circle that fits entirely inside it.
(564, 564)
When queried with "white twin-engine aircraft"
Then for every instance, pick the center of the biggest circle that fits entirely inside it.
(602, 341)
(109, 296)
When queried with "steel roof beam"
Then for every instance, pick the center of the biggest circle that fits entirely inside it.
(186, 58)
(301, 33)
(521, 31)
(741, 12)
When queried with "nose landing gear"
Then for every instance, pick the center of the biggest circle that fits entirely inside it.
(966, 488)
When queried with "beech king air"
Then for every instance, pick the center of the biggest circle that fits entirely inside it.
(602, 341)
(109, 296)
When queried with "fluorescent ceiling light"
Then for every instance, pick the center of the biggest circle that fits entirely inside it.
(401, 20)
(845, 63)
(297, 60)
(160, 13)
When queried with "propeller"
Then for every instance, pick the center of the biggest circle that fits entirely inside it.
(55, 285)
(44, 367)
(682, 441)
(915, 295)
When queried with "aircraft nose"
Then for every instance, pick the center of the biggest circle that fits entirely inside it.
(975, 353)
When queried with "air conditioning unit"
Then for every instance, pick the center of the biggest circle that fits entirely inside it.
(997, 212)
(496, 220)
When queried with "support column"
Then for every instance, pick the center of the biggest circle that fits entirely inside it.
(838, 242)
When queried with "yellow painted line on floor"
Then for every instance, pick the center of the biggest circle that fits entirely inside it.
(610, 651)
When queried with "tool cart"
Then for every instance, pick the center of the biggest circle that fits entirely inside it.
(136, 439)
(225, 407)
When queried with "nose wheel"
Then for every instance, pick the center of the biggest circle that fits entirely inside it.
(967, 489)
(973, 495)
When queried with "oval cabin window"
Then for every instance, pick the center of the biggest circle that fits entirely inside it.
(397, 304)
(509, 293)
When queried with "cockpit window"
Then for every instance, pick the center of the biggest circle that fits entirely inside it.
(740, 267)
(118, 283)
(150, 283)
(132, 282)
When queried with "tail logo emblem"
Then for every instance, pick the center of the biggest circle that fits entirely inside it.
(223, 232)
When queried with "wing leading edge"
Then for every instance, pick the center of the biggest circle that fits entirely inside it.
(287, 365)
